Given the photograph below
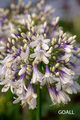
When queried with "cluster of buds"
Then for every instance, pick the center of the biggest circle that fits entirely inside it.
(37, 51)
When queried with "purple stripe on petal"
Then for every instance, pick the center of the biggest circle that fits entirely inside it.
(75, 48)
(74, 65)
(47, 69)
(54, 90)
(19, 51)
(50, 90)
(30, 85)
(25, 66)
(35, 67)
(4, 68)
(22, 76)
(56, 25)
(44, 29)
(40, 48)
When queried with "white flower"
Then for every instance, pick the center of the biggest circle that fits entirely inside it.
(7, 72)
(66, 78)
(24, 55)
(8, 61)
(62, 97)
(64, 57)
(73, 88)
(47, 77)
(58, 96)
(67, 49)
(40, 55)
(8, 84)
(27, 97)
(52, 95)
(37, 76)
(68, 71)
(40, 42)
(23, 70)
(20, 85)
(31, 97)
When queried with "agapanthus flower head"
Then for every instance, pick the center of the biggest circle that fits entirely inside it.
(37, 52)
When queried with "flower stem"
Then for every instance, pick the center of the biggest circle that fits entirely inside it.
(38, 103)
(31, 115)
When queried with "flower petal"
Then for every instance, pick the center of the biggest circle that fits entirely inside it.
(35, 38)
(46, 40)
(33, 44)
(5, 88)
(41, 37)
(17, 100)
(45, 46)
(45, 60)
(33, 55)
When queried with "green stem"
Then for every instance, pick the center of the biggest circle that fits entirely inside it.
(38, 103)
(31, 115)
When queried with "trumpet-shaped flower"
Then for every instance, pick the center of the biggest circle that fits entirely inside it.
(37, 76)
(27, 97)
(40, 55)
(58, 96)
(40, 42)
(47, 77)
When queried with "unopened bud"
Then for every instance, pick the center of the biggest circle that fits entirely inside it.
(67, 60)
(53, 69)
(24, 40)
(23, 35)
(54, 57)
(73, 41)
(9, 40)
(59, 41)
(19, 57)
(21, 66)
(29, 33)
(51, 49)
(8, 45)
(64, 35)
(57, 19)
(13, 41)
(35, 95)
(70, 39)
(74, 36)
(20, 29)
(57, 74)
(3, 43)
(61, 32)
(29, 17)
(14, 31)
(44, 35)
(78, 51)
(32, 23)
(22, 48)
(50, 68)
(32, 29)
(57, 65)
(49, 52)
(25, 46)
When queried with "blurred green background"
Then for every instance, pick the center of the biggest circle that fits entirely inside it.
(10, 111)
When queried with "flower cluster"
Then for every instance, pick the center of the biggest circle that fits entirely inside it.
(35, 50)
